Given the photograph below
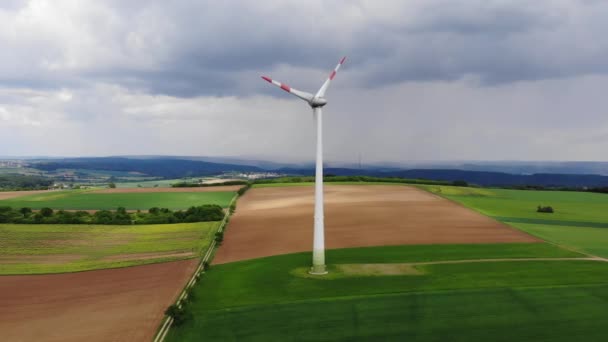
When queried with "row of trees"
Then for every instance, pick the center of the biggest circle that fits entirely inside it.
(203, 185)
(120, 216)
(24, 182)
(333, 178)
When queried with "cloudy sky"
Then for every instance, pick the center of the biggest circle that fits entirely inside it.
(424, 79)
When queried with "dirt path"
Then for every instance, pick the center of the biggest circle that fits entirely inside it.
(271, 221)
(125, 304)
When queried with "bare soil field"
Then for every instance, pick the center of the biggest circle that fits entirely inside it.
(125, 304)
(14, 194)
(145, 190)
(279, 220)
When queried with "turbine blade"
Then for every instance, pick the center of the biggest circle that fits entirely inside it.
(323, 88)
(301, 94)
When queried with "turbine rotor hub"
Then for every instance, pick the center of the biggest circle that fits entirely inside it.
(318, 102)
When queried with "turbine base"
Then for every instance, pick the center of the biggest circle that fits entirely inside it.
(318, 270)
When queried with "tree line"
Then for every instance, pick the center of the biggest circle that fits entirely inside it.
(23, 182)
(202, 185)
(120, 216)
(334, 178)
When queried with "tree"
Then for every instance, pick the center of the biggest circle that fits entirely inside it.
(460, 183)
(46, 212)
(112, 185)
(177, 313)
(25, 211)
(547, 209)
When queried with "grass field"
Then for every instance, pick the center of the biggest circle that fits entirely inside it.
(568, 205)
(86, 200)
(580, 220)
(34, 249)
(509, 300)
(589, 240)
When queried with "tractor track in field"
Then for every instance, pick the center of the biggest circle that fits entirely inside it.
(467, 261)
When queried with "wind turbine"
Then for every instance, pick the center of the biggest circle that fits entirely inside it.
(316, 102)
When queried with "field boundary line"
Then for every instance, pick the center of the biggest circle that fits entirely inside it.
(164, 329)
(467, 261)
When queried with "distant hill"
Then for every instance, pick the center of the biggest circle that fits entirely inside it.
(177, 167)
(159, 167)
(482, 178)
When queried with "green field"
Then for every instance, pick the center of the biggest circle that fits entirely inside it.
(273, 299)
(87, 200)
(33, 249)
(589, 240)
(505, 204)
(580, 220)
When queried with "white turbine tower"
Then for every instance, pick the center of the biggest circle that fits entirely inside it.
(316, 101)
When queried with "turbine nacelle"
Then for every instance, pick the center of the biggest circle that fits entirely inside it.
(317, 102)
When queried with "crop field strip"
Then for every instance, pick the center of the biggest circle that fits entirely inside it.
(35, 249)
(119, 304)
(89, 200)
(580, 220)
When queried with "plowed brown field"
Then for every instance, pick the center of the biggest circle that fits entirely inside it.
(125, 304)
(279, 220)
(14, 194)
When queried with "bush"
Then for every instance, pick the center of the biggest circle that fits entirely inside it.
(460, 183)
(25, 211)
(178, 314)
(120, 216)
(542, 209)
(219, 237)
(46, 212)
(244, 189)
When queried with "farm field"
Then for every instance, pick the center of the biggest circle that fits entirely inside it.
(550, 298)
(278, 220)
(14, 194)
(35, 249)
(503, 204)
(123, 304)
(580, 220)
(90, 200)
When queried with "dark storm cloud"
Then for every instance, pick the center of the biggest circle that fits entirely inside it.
(209, 47)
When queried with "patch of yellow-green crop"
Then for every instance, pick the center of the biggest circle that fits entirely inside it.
(33, 249)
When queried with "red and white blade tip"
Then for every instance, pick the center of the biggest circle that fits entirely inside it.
(342, 60)
(267, 79)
